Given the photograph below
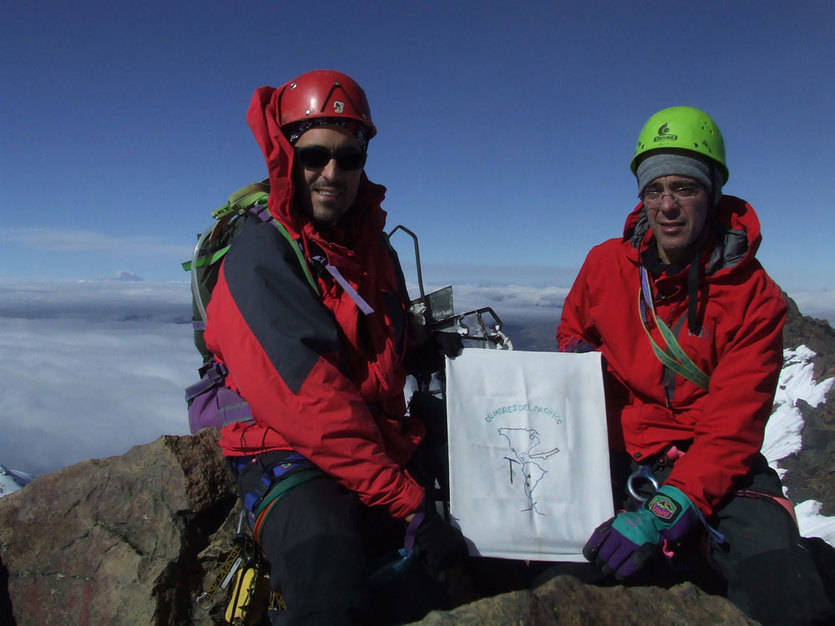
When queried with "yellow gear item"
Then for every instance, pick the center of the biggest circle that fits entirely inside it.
(249, 596)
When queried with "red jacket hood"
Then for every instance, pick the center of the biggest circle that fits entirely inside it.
(363, 223)
(733, 243)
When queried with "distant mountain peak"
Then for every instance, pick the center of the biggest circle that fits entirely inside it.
(127, 276)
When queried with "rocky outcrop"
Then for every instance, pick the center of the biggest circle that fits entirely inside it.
(814, 333)
(123, 540)
(136, 539)
(810, 475)
(564, 601)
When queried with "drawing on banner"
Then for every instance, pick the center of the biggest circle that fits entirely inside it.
(528, 458)
(524, 445)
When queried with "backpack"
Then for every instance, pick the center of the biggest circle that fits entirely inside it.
(210, 402)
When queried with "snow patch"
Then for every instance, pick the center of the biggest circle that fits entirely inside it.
(813, 524)
(12, 480)
(797, 382)
(784, 428)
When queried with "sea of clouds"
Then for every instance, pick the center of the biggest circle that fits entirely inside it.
(92, 368)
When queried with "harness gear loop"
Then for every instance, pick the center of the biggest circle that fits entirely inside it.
(643, 473)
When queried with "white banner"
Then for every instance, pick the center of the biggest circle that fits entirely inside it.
(528, 452)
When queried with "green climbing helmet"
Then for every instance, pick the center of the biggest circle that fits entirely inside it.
(683, 128)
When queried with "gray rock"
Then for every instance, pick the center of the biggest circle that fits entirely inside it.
(810, 474)
(116, 540)
(136, 539)
(565, 601)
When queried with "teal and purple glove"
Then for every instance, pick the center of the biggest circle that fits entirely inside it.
(624, 544)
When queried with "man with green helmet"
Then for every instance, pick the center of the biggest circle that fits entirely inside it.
(690, 327)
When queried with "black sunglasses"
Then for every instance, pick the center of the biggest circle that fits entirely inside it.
(315, 157)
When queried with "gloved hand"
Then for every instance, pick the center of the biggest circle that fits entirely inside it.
(438, 543)
(624, 544)
(429, 356)
(451, 344)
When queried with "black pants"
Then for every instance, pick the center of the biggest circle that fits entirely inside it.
(315, 542)
(323, 544)
(762, 566)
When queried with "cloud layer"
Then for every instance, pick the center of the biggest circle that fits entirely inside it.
(92, 368)
(95, 367)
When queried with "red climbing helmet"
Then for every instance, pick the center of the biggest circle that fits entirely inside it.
(324, 93)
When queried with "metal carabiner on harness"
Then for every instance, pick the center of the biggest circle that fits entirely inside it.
(643, 473)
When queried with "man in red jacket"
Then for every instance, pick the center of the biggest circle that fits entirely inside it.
(310, 316)
(690, 328)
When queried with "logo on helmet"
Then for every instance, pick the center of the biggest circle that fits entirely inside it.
(664, 134)
(338, 107)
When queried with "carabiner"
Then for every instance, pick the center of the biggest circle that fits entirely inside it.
(642, 473)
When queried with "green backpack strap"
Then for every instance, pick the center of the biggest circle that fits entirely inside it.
(244, 198)
(675, 358)
(299, 255)
(213, 244)
(236, 204)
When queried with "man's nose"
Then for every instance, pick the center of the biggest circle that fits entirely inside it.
(668, 202)
(331, 170)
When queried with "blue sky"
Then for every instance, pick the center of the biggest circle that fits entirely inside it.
(505, 132)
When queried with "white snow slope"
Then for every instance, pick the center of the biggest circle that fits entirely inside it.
(782, 433)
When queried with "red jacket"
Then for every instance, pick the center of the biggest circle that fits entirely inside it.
(739, 346)
(320, 377)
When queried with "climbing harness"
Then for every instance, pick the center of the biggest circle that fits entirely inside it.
(265, 479)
